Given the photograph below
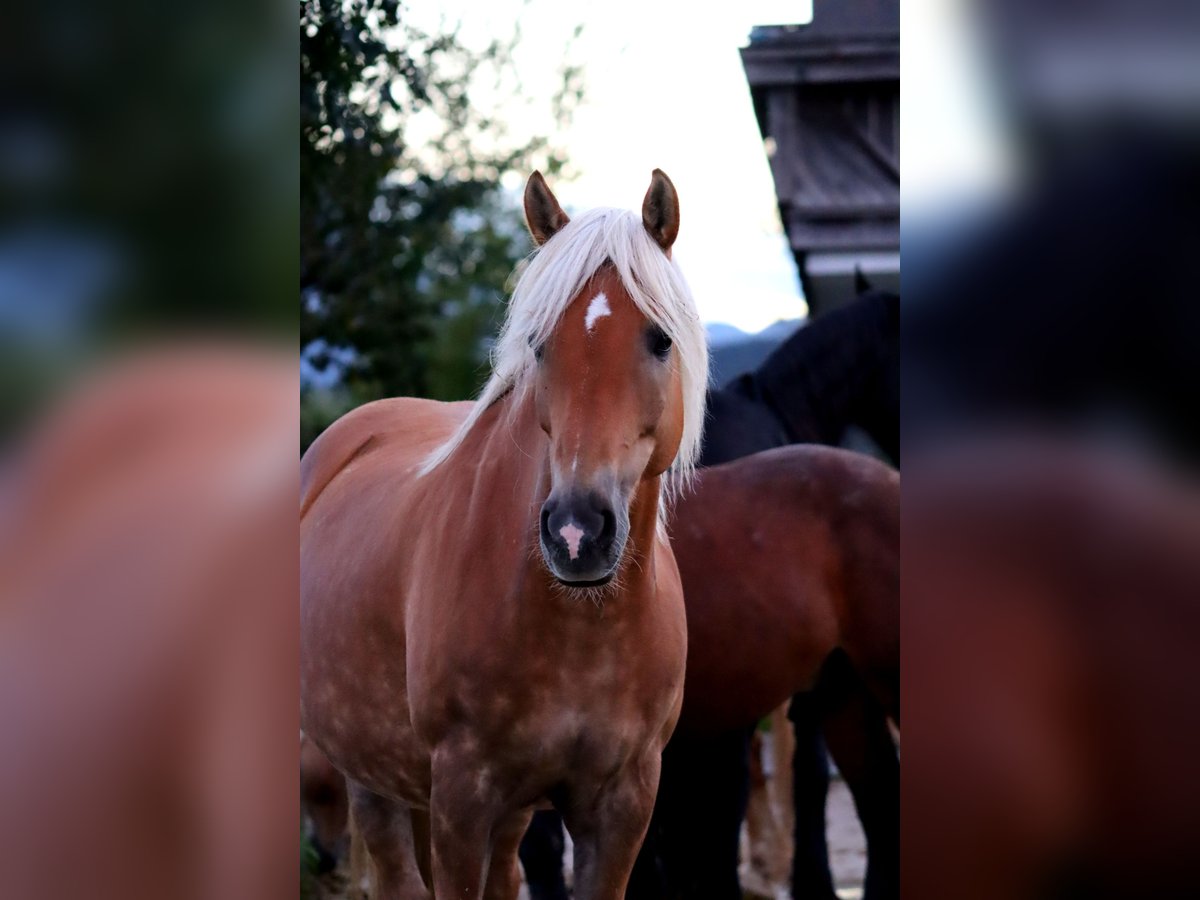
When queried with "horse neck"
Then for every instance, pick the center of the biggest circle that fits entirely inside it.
(825, 375)
(514, 438)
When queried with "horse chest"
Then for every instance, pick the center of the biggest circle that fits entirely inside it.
(569, 739)
(554, 718)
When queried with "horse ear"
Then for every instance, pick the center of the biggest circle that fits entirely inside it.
(543, 215)
(660, 210)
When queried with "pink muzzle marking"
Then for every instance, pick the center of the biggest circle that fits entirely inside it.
(572, 534)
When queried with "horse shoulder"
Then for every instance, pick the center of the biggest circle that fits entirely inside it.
(407, 426)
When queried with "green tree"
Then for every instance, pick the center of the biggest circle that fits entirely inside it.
(406, 236)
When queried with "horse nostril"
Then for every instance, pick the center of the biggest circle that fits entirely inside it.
(608, 527)
(546, 521)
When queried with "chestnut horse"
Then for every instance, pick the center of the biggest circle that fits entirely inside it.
(491, 615)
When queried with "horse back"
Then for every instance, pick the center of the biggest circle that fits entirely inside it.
(407, 427)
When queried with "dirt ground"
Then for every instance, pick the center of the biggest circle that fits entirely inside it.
(847, 846)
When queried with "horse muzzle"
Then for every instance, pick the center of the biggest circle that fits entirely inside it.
(582, 537)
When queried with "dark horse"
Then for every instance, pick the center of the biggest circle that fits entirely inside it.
(841, 370)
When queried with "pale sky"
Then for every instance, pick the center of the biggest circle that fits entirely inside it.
(951, 138)
(665, 88)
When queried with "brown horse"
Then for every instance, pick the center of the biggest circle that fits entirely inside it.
(790, 567)
(1052, 630)
(796, 552)
(491, 614)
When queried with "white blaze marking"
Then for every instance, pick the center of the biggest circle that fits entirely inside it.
(597, 309)
(572, 534)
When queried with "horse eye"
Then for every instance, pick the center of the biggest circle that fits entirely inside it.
(659, 342)
(538, 349)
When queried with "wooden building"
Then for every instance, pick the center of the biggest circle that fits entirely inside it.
(827, 97)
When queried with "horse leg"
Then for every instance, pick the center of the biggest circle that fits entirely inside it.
(723, 794)
(783, 751)
(504, 871)
(698, 818)
(386, 828)
(811, 877)
(421, 838)
(608, 827)
(769, 846)
(860, 742)
(541, 854)
(359, 868)
(464, 814)
(647, 881)
(650, 879)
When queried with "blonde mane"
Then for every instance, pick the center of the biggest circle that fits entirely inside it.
(555, 275)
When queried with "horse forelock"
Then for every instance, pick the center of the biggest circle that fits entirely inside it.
(555, 274)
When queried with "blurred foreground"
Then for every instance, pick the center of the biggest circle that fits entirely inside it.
(1051, 673)
(148, 635)
(1051, 574)
(148, 418)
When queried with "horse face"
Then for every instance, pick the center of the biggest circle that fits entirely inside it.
(609, 397)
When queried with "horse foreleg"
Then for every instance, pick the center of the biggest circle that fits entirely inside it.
(504, 872)
(783, 750)
(811, 877)
(701, 813)
(465, 814)
(769, 845)
(647, 881)
(386, 828)
(608, 828)
(860, 742)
